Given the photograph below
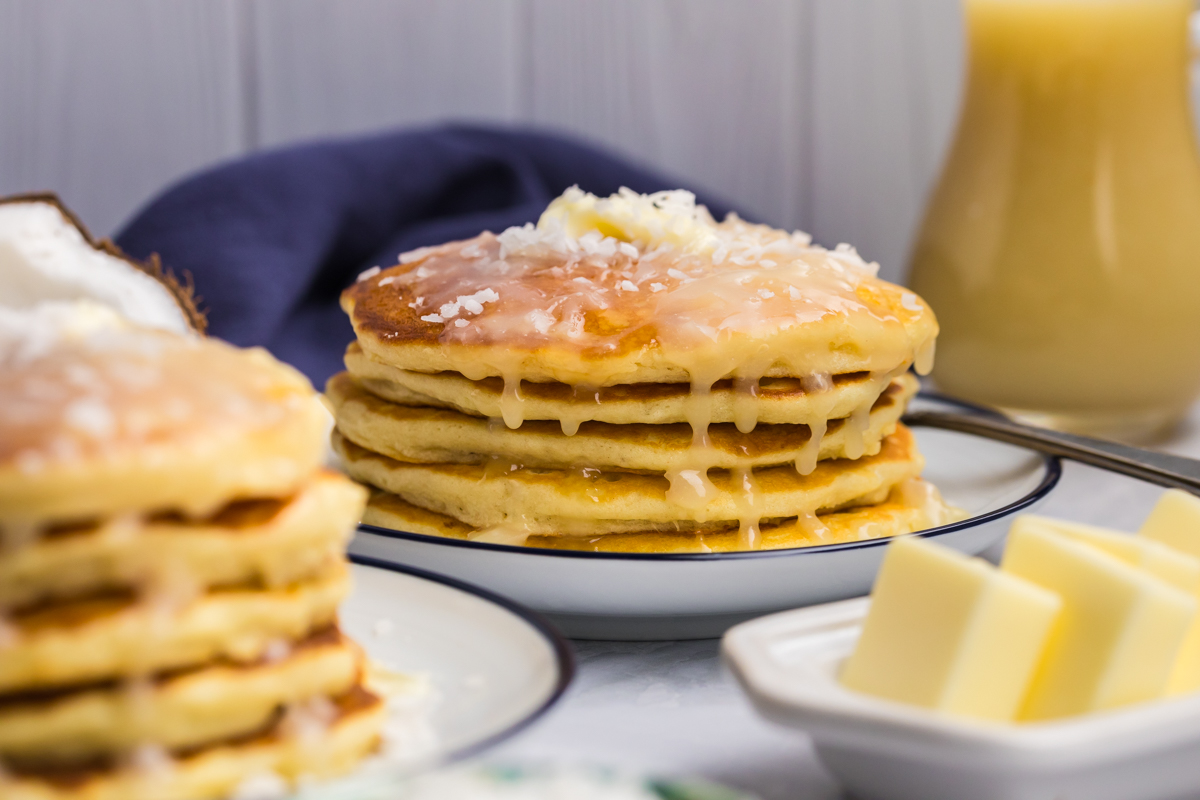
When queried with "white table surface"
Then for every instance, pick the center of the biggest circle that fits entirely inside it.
(668, 708)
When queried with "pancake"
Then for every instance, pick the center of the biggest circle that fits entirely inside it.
(116, 636)
(775, 401)
(909, 507)
(176, 711)
(118, 420)
(268, 542)
(433, 435)
(579, 502)
(322, 751)
(605, 310)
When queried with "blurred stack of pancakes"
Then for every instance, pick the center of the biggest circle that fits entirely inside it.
(630, 375)
(170, 569)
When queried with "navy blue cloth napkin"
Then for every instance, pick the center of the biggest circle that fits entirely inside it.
(272, 239)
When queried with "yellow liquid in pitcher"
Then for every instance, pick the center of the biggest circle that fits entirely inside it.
(1061, 248)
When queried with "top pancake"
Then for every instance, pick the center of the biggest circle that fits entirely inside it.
(115, 419)
(548, 305)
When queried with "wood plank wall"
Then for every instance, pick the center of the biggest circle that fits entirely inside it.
(827, 115)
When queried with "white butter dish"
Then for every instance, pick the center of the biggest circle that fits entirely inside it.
(883, 750)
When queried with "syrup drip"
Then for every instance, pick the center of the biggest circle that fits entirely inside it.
(745, 494)
(512, 402)
(820, 387)
(857, 425)
(690, 488)
(925, 497)
(812, 526)
(698, 410)
(498, 467)
(588, 477)
(745, 403)
(577, 412)
(923, 360)
(510, 533)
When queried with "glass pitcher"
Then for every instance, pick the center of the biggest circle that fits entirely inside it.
(1061, 247)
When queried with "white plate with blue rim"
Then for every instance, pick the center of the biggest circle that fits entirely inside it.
(636, 596)
(475, 669)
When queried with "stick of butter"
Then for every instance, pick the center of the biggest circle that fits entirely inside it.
(1175, 521)
(1119, 632)
(950, 632)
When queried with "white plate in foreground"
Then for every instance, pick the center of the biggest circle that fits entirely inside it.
(692, 596)
(882, 750)
(492, 667)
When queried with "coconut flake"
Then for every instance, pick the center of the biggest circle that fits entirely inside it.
(416, 255)
(90, 416)
(542, 321)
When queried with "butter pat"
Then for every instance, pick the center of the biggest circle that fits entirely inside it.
(671, 218)
(1175, 522)
(1119, 633)
(950, 633)
(1167, 563)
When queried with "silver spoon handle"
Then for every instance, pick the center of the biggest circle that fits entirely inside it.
(1159, 468)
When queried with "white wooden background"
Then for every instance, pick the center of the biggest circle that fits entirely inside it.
(827, 115)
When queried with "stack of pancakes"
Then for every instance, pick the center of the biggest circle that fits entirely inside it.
(170, 570)
(630, 375)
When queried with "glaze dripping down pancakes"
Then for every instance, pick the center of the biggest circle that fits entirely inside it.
(628, 368)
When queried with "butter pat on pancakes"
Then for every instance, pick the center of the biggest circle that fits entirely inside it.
(1121, 628)
(950, 633)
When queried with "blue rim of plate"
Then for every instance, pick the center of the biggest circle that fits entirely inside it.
(1051, 464)
(564, 655)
